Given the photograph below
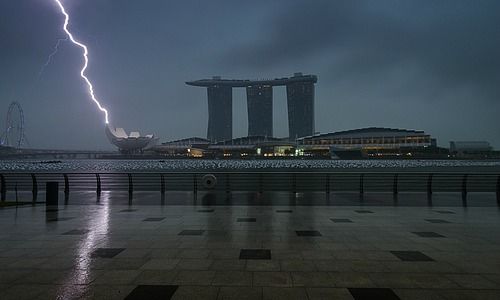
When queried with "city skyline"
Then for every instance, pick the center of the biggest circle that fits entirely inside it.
(397, 64)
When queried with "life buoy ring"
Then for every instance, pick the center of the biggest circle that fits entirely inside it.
(209, 181)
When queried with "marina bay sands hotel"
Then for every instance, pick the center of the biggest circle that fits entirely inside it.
(300, 103)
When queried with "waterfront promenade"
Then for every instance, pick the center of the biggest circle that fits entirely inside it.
(248, 246)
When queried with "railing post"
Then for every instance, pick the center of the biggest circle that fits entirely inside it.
(395, 185)
(498, 190)
(429, 184)
(130, 184)
(327, 184)
(98, 182)
(66, 184)
(3, 188)
(195, 184)
(464, 190)
(260, 183)
(362, 184)
(464, 185)
(294, 183)
(228, 185)
(162, 184)
(35, 187)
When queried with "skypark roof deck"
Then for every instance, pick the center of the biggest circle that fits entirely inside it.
(218, 81)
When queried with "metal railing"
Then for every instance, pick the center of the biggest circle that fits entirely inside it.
(294, 182)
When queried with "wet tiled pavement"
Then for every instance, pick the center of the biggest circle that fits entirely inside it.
(114, 251)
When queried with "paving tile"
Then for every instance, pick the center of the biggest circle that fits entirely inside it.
(428, 234)
(108, 292)
(240, 293)
(153, 219)
(106, 252)
(328, 293)
(76, 232)
(437, 221)
(232, 278)
(59, 219)
(262, 265)
(255, 254)
(307, 233)
(298, 265)
(117, 277)
(373, 293)
(393, 280)
(155, 277)
(277, 293)
(310, 279)
(194, 264)
(418, 294)
(160, 264)
(277, 279)
(194, 253)
(246, 220)
(432, 281)
(411, 256)
(341, 220)
(228, 265)
(152, 292)
(351, 280)
(445, 212)
(195, 293)
(194, 277)
(191, 232)
(472, 281)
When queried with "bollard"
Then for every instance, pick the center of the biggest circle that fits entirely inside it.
(52, 194)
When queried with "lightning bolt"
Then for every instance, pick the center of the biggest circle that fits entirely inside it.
(85, 56)
(49, 59)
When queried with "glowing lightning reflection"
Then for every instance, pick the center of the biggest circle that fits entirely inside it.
(85, 55)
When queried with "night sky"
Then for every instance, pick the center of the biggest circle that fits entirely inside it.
(422, 64)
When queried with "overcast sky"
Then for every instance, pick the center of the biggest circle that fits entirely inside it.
(423, 64)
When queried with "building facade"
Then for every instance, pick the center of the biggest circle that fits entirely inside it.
(220, 113)
(300, 102)
(260, 110)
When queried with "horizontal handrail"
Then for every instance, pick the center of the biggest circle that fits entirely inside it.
(394, 182)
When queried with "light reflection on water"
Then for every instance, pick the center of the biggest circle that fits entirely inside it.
(98, 165)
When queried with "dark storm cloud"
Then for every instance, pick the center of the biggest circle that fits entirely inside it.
(422, 64)
(453, 42)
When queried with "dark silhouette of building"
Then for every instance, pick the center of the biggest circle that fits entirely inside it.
(300, 94)
(260, 110)
(300, 102)
(220, 113)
